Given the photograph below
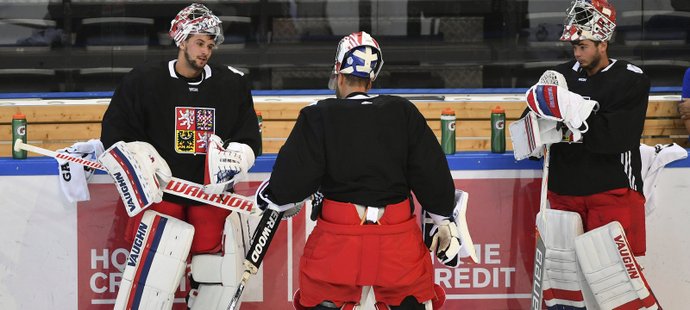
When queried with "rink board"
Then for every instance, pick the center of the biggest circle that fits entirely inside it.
(61, 255)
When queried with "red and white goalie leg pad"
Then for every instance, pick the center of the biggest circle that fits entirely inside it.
(219, 274)
(612, 271)
(564, 282)
(156, 263)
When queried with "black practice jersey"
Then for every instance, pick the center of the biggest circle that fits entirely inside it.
(368, 150)
(609, 155)
(176, 115)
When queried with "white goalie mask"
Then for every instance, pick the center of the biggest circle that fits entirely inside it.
(196, 19)
(589, 20)
(358, 54)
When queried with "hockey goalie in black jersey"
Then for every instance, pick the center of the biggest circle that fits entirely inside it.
(596, 221)
(196, 120)
(366, 154)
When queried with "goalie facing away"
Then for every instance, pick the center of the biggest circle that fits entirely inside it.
(366, 154)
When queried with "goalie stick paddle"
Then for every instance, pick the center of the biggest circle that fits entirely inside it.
(540, 247)
(268, 225)
(177, 187)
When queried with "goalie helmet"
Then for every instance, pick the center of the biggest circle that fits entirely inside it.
(589, 20)
(196, 19)
(358, 54)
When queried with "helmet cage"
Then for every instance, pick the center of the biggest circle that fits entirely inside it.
(589, 20)
(196, 19)
(357, 54)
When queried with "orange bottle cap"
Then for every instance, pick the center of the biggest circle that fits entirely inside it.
(448, 111)
(498, 109)
(258, 113)
(19, 115)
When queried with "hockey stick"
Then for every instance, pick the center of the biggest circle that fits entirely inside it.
(177, 187)
(540, 247)
(260, 241)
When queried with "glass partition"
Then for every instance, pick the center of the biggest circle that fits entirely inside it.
(87, 45)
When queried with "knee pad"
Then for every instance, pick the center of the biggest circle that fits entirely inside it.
(612, 271)
(563, 280)
(156, 263)
(219, 274)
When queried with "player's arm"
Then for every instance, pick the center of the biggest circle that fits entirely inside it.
(428, 173)
(445, 227)
(124, 118)
(617, 126)
(301, 161)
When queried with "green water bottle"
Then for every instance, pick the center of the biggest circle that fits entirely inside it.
(18, 132)
(261, 129)
(448, 131)
(498, 131)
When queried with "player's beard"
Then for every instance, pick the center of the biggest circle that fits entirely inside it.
(192, 62)
(594, 63)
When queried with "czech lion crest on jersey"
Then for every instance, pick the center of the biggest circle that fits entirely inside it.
(193, 126)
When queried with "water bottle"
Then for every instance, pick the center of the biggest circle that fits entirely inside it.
(498, 131)
(261, 129)
(448, 131)
(18, 132)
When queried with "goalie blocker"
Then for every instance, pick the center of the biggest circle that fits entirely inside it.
(457, 226)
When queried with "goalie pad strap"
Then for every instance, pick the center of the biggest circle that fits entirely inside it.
(156, 263)
(612, 271)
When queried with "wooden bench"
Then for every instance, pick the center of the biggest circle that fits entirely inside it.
(55, 124)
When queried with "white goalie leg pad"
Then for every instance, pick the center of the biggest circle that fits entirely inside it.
(563, 278)
(612, 271)
(218, 275)
(156, 263)
(530, 133)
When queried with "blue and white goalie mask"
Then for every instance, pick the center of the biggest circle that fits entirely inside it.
(358, 54)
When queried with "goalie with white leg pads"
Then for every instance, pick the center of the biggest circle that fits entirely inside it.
(140, 174)
(226, 165)
(156, 263)
(188, 108)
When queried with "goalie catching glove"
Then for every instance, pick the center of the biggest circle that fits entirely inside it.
(551, 99)
(263, 201)
(226, 166)
(140, 173)
(448, 237)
